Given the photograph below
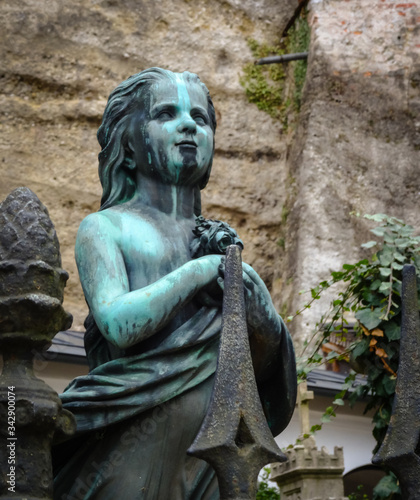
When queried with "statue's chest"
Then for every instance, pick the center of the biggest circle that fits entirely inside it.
(151, 252)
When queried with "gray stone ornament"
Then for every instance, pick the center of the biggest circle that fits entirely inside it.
(31, 313)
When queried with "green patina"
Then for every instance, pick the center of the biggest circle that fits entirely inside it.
(155, 311)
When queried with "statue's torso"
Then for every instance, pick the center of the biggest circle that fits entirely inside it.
(152, 245)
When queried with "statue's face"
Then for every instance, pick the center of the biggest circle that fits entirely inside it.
(173, 140)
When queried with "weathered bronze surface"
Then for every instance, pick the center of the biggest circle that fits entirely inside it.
(31, 294)
(234, 437)
(153, 275)
(400, 450)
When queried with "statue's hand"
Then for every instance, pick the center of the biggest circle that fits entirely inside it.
(261, 314)
(211, 295)
(265, 327)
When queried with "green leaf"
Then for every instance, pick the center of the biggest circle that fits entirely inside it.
(392, 330)
(375, 285)
(376, 217)
(407, 230)
(341, 394)
(370, 319)
(389, 384)
(374, 372)
(403, 242)
(381, 418)
(338, 402)
(330, 411)
(363, 262)
(385, 271)
(361, 347)
(386, 259)
(359, 392)
(386, 487)
(399, 257)
(332, 355)
(325, 419)
(385, 286)
(378, 231)
(348, 267)
(397, 266)
(369, 244)
(315, 428)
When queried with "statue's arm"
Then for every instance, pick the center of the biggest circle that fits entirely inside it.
(266, 327)
(272, 353)
(127, 317)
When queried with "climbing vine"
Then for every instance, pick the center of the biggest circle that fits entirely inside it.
(371, 293)
(277, 88)
(265, 491)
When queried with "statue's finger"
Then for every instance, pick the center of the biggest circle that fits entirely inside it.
(221, 283)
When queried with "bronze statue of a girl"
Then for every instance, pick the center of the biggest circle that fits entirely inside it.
(154, 294)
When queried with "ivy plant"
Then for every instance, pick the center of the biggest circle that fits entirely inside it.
(371, 293)
(265, 491)
(358, 495)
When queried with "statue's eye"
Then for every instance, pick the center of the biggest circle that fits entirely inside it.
(165, 114)
(200, 119)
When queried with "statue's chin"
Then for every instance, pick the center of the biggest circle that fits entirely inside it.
(187, 173)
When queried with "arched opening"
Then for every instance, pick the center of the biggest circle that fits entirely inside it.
(365, 477)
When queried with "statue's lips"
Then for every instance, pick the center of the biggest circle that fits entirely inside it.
(187, 144)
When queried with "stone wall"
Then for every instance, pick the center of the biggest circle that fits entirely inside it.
(356, 146)
(61, 59)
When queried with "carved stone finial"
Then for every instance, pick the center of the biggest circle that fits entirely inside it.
(31, 278)
(31, 313)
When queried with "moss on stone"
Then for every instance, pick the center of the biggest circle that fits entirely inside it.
(264, 84)
(277, 88)
(298, 41)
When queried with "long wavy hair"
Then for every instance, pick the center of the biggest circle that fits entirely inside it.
(116, 171)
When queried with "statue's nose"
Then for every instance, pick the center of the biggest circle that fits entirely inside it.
(187, 124)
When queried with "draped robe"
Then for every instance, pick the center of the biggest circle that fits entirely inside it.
(138, 412)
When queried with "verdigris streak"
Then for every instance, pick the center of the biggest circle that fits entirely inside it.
(152, 272)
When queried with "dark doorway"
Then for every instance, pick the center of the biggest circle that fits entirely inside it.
(366, 477)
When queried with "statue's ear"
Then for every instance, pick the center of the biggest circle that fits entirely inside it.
(129, 147)
(129, 163)
(129, 154)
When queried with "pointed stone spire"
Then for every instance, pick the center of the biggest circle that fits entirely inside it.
(234, 437)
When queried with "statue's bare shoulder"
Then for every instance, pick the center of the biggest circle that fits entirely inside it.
(133, 243)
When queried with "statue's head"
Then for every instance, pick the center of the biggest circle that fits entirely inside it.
(161, 124)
